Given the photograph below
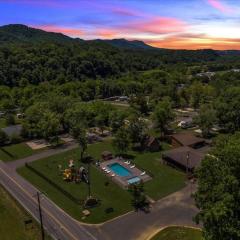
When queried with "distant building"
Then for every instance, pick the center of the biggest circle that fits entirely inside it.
(187, 139)
(206, 74)
(123, 98)
(235, 70)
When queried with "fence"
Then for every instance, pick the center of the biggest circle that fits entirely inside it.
(55, 185)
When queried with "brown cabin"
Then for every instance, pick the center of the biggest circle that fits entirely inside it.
(106, 155)
(184, 158)
(152, 144)
(187, 139)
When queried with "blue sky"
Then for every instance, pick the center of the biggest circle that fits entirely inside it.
(189, 24)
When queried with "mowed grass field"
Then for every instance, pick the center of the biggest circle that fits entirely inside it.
(15, 151)
(12, 221)
(165, 181)
(179, 233)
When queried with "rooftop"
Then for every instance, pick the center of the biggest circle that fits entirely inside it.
(187, 139)
(185, 156)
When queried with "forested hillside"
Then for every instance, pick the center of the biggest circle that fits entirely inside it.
(34, 56)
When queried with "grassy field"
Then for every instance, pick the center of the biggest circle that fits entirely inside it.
(15, 151)
(178, 233)
(12, 221)
(166, 180)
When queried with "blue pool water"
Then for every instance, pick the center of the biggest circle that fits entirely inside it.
(134, 180)
(119, 170)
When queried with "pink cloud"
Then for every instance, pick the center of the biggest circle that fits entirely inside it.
(65, 30)
(217, 4)
(106, 33)
(158, 25)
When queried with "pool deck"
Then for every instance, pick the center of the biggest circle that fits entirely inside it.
(123, 181)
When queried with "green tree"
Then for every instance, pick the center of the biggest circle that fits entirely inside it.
(162, 115)
(117, 120)
(140, 104)
(228, 109)
(79, 133)
(121, 141)
(137, 130)
(49, 126)
(10, 120)
(218, 193)
(206, 119)
(139, 200)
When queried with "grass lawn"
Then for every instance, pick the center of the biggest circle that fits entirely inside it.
(178, 233)
(15, 151)
(166, 180)
(12, 221)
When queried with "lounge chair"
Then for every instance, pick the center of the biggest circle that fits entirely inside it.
(143, 173)
(133, 166)
(108, 171)
(103, 168)
(128, 163)
(113, 175)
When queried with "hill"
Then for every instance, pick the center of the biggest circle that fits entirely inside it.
(126, 44)
(14, 33)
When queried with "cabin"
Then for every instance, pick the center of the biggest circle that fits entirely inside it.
(184, 158)
(106, 155)
(188, 140)
(152, 144)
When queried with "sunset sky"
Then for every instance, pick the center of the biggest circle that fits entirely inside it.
(188, 24)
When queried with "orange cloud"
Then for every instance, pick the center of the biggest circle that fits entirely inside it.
(217, 4)
(57, 29)
(196, 42)
(106, 33)
(158, 25)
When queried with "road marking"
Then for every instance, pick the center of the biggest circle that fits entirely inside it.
(35, 201)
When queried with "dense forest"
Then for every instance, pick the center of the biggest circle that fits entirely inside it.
(51, 76)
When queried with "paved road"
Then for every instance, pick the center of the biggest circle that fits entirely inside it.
(176, 209)
(46, 153)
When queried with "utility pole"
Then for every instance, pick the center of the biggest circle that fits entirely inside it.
(40, 215)
(187, 162)
(89, 182)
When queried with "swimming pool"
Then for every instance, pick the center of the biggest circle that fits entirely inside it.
(119, 170)
(134, 180)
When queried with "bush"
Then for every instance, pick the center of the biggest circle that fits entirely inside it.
(3, 138)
